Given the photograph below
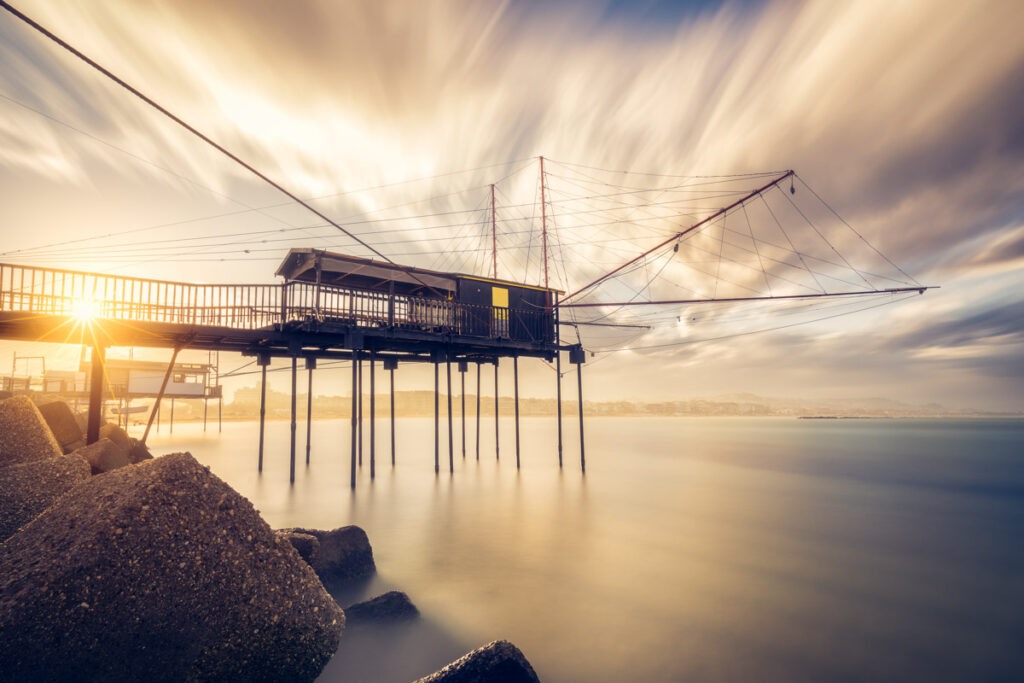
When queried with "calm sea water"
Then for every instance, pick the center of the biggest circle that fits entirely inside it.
(693, 549)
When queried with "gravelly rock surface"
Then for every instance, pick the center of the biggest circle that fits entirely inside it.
(29, 488)
(139, 452)
(103, 456)
(307, 545)
(159, 571)
(61, 421)
(497, 662)
(344, 554)
(24, 434)
(117, 435)
(391, 606)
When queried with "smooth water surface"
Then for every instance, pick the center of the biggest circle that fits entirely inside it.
(694, 549)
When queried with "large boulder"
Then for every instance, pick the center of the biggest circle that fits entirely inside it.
(24, 434)
(29, 488)
(306, 545)
(117, 435)
(344, 554)
(61, 421)
(391, 606)
(103, 456)
(497, 662)
(159, 572)
(138, 452)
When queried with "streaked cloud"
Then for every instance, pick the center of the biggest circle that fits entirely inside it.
(908, 117)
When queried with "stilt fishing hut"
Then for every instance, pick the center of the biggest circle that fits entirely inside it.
(375, 310)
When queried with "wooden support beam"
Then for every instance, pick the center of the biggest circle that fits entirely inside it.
(156, 404)
(96, 385)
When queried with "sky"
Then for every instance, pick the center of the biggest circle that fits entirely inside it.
(906, 117)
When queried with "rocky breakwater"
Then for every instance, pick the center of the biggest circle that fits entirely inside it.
(117, 566)
(159, 571)
(33, 470)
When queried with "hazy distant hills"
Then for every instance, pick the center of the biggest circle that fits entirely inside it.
(421, 404)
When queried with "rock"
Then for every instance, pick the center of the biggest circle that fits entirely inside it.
(138, 452)
(392, 606)
(29, 488)
(62, 423)
(103, 456)
(117, 435)
(307, 545)
(496, 662)
(159, 571)
(82, 418)
(345, 554)
(24, 434)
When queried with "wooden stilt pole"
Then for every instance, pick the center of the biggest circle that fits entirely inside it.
(310, 367)
(497, 441)
(264, 361)
(373, 420)
(478, 411)
(451, 446)
(558, 372)
(437, 416)
(462, 393)
(354, 389)
(579, 381)
(515, 375)
(391, 371)
(291, 466)
(172, 414)
(96, 386)
(359, 400)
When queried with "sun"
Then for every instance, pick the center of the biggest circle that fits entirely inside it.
(84, 310)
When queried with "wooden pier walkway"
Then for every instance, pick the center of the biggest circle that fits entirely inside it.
(293, 319)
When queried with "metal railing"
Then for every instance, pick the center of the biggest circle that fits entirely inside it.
(49, 291)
